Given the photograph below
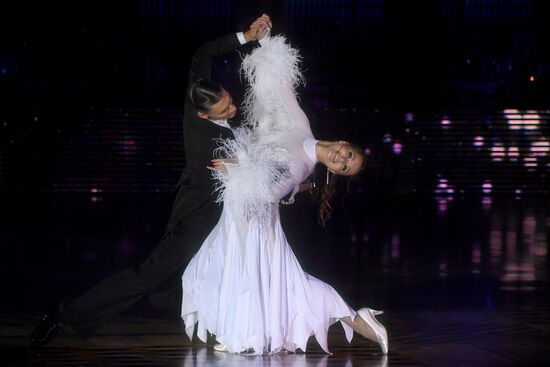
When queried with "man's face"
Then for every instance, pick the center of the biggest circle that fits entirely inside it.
(223, 109)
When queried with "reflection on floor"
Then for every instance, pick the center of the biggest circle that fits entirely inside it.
(462, 282)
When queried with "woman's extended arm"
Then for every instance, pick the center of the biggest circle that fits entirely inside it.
(295, 113)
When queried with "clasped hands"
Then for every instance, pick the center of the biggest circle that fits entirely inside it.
(259, 28)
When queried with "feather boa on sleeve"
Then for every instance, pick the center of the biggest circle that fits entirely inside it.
(264, 69)
(248, 189)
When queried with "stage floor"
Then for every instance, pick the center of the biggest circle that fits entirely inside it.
(463, 282)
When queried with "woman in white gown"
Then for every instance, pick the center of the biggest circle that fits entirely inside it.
(245, 284)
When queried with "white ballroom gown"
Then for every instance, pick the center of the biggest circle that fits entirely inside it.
(245, 284)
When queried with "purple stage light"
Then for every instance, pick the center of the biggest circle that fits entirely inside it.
(479, 141)
(513, 153)
(539, 148)
(498, 152)
(397, 147)
(487, 187)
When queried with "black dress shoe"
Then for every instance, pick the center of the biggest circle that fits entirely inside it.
(45, 331)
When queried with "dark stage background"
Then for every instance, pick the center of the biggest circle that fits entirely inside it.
(447, 229)
(447, 96)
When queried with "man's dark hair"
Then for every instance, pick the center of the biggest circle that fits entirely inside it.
(204, 93)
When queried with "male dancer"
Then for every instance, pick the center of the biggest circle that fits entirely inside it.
(194, 212)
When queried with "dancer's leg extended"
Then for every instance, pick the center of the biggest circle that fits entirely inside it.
(116, 293)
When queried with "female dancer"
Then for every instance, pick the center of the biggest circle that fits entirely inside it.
(245, 285)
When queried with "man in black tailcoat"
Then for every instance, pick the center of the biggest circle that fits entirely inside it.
(194, 213)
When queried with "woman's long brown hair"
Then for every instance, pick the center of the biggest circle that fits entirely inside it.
(324, 192)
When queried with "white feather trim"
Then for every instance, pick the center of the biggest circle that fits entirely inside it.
(249, 187)
(264, 69)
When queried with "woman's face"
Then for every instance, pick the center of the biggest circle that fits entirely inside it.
(343, 159)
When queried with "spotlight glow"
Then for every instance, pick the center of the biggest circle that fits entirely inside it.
(409, 117)
(479, 141)
(530, 161)
(498, 152)
(530, 120)
(513, 153)
(487, 187)
(540, 148)
(443, 187)
(397, 147)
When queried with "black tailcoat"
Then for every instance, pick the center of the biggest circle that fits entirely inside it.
(194, 214)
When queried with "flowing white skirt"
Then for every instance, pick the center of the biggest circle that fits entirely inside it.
(246, 286)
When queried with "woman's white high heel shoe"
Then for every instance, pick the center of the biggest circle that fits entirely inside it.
(376, 312)
(221, 348)
(380, 331)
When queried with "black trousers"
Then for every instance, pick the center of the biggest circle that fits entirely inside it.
(186, 231)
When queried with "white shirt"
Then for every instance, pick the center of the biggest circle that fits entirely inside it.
(240, 36)
(222, 123)
(242, 40)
